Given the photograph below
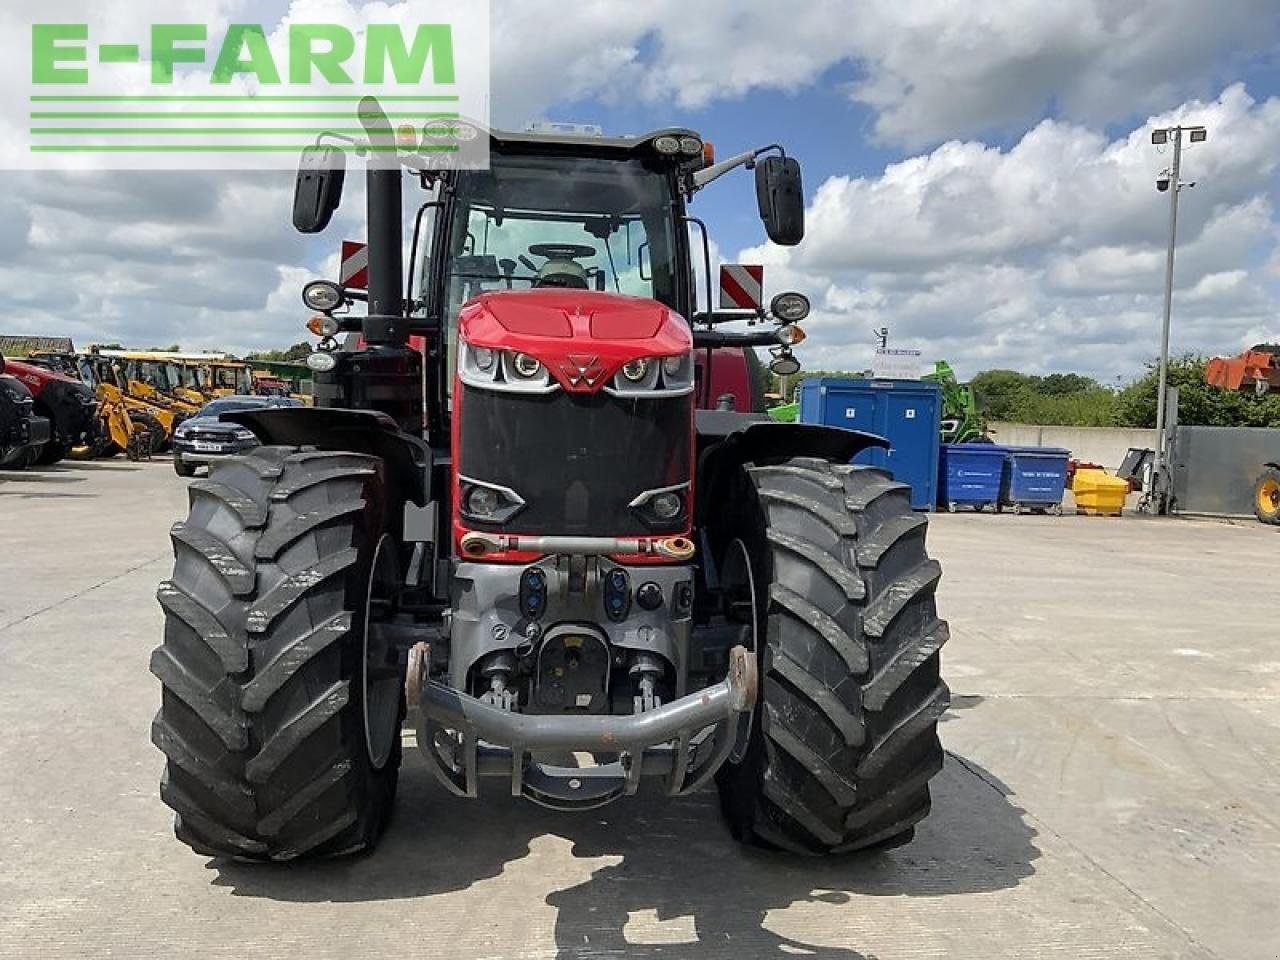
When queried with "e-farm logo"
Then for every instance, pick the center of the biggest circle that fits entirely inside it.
(247, 95)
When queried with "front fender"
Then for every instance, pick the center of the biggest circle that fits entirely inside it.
(727, 441)
(408, 458)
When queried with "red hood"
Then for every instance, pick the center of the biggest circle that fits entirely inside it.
(572, 330)
(34, 376)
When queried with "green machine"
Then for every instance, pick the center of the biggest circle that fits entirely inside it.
(960, 421)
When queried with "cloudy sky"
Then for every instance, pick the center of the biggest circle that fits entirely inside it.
(980, 177)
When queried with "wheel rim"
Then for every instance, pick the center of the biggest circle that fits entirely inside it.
(1269, 496)
(381, 678)
(740, 585)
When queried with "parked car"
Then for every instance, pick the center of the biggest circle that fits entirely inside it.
(206, 437)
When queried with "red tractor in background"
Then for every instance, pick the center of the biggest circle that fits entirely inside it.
(23, 434)
(519, 517)
(68, 405)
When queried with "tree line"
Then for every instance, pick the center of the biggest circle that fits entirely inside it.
(1075, 400)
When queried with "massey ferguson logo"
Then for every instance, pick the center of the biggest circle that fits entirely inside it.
(579, 370)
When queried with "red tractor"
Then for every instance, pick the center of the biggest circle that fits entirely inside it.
(68, 405)
(23, 435)
(518, 518)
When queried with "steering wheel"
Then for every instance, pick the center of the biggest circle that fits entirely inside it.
(562, 251)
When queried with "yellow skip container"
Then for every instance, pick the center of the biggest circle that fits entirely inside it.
(1098, 494)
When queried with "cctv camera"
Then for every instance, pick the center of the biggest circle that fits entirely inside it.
(1162, 184)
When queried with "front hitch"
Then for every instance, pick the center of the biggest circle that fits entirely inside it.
(684, 742)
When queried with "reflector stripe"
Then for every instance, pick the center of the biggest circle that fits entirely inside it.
(741, 286)
(354, 272)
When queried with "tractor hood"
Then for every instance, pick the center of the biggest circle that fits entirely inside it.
(582, 337)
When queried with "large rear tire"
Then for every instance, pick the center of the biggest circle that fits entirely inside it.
(263, 719)
(844, 740)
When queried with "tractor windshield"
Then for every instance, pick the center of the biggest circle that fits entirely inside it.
(548, 221)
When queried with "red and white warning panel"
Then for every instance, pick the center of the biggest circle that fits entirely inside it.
(741, 286)
(354, 273)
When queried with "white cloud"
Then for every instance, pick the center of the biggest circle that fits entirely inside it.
(1045, 254)
(930, 69)
(1049, 255)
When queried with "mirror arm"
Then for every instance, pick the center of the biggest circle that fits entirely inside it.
(714, 172)
(710, 339)
(360, 145)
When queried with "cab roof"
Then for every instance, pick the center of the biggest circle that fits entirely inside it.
(591, 143)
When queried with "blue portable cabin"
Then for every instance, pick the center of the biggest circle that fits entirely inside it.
(907, 413)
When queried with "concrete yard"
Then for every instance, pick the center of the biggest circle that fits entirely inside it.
(1110, 790)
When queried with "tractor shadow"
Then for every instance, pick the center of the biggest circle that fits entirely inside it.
(664, 860)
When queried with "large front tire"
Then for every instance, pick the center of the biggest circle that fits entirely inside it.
(263, 662)
(844, 740)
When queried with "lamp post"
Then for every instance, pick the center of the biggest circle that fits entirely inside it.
(1168, 181)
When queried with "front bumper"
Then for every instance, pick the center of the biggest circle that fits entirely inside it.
(33, 434)
(683, 742)
(186, 451)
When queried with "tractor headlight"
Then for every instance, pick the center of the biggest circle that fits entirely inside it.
(525, 366)
(322, 295)
(483, 502)
(666, 506)
(790, 307)
(490, 368)
(653, 378)
(667, 144)
(635, 370)
(487, 502)
(691, 146)
(663, 507)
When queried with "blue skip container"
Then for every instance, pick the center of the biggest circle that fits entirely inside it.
(970, 475)
(1035, 478)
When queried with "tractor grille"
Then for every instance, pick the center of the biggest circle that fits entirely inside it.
(577, 460)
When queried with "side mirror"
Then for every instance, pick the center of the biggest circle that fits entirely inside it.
(781, 198)
(318, 190)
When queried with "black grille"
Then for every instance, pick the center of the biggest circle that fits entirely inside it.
(208, 436)
(577, 460)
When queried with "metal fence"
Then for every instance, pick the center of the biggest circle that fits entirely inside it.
(1215, 468)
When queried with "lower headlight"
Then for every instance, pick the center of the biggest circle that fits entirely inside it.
(483, 502)
(667, 506)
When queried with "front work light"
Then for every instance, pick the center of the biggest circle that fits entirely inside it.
(667, 145)
(322, 295)
(322, 362)
(790, 307)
